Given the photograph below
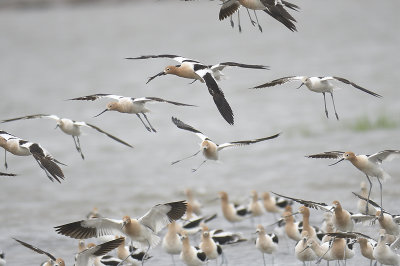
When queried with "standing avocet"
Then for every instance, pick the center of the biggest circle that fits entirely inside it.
(208, 74)
(274, 8)
(129, 105)
(210, 149)
(22, 147)
(317, 84)
(370, 165)
(266, 243)
(69, 127)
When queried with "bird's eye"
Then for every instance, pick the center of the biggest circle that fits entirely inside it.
(168, 69)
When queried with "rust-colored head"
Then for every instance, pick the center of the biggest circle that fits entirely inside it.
(223, 195)
(349, 156)
(305, 211)
(171, 70)
(260, 229)
(60, 262)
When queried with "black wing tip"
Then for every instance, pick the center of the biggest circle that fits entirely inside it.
(178, 209)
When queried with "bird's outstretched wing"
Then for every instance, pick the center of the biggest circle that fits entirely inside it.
(245, 142)
(161, 215)
(184, 126)
(36, 249)
(97, 96)
(279, 81)
(308, 203)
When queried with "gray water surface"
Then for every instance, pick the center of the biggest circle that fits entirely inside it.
(50, 55)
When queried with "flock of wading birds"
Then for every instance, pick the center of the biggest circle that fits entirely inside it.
(332, 241)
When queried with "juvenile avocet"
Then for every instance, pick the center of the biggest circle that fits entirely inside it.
(129, 105)
(318, 84)
(275, 9)
(142, 231)
(266, 243)
(210, 149)
(208, 74)
(69, 127)
(22, 147)
(370, 165)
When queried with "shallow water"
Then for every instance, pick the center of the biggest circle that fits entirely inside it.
(50, 55)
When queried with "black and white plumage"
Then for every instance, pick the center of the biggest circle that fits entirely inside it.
(129, 105)
(275, 9)
(143, 231)
(208, 74)
(88, 256)
(20, 147)
(69, 127)
(210, 149)
(318, 84)
(370, 165)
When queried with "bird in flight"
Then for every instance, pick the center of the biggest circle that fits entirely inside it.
(318, 84)
(209, 74)
(69, 127)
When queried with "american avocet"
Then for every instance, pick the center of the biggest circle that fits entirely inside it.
(327, 219)
(2, 258)
(312, 230)
(190, 255)
(384, 253)
(342, 218)
(321, 250)
(52, 261)
(301, 251)
(210, 149)
(370, 165)
(95, 252)
(232, 213)
(367, 248)
(93, 214)
(192, 223)
(275, 9)
(266, 243)
(69, 127)
(142, 231)
(192, 203)
(172, 243)
(208, 74)
(330, 228)
(129, 105)
(318, 84)
(389, 222)
(22, 147)
(130, 254)
(362, 204)
(7, 174)
(209, 247)
(274, 204)
(292, 229)
(255, 207)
